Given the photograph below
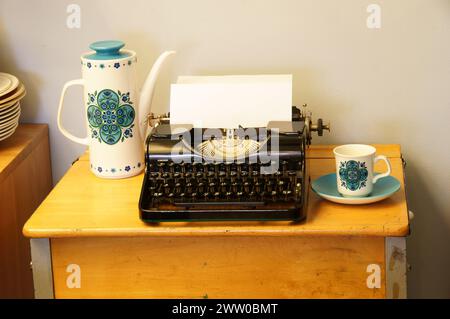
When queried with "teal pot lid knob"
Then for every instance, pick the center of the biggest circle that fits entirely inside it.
(107, 50)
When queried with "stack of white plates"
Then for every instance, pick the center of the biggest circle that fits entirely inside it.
(11, 92)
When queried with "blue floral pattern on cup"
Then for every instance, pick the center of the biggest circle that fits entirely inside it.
(110, 116)
(353, 174)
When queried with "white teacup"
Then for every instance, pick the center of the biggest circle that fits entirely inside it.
(354, 169)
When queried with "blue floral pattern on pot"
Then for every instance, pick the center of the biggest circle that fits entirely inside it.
(110, 116)
(353, 174)
(126, 168)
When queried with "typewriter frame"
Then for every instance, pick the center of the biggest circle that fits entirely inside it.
(231, 211)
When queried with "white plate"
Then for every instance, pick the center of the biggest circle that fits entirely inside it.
(9, 129)
(15, 95)
(8, 83)
(5, 83)
(11, 132)
(9, 116)
(10, 109)
(9, 121)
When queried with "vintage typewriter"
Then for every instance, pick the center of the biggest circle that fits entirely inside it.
(198, 174)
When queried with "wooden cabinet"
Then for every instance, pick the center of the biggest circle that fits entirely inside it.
(25, 180)
(89, 242)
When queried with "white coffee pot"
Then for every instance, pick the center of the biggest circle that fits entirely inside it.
(116, 115)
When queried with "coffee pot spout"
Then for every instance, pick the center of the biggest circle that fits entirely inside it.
(146, 96)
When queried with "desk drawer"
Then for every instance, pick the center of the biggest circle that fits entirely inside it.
(218, 267)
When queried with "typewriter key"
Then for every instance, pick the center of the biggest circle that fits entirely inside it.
(257, 186)
(234, 187)
(154, 174)
(171, 167)
(216, 168)
(274, 195)
(161, 167)
(226, 169)
(223, 187)
(200, 186)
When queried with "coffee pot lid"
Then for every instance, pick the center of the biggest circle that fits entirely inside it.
(107, 50)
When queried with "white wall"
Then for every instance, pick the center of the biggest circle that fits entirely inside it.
(389, 85)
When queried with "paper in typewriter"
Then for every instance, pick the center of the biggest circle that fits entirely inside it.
(231, 101)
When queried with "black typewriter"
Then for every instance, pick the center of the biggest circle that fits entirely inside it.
(198, 174)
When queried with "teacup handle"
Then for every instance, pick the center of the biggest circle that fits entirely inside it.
(387, 173)
(84, 141)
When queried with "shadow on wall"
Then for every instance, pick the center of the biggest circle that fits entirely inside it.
(427, 244)
(29, 105)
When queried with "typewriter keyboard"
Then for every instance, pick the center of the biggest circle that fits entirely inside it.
(188, 184)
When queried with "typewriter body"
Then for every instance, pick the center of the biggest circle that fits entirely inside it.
(200, 174)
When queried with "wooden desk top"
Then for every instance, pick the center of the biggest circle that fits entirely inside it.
(16, 148)
(82, 205)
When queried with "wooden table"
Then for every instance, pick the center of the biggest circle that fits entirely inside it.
(25, 180)
(88, 241)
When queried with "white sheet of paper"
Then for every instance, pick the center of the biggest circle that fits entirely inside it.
(230, 101)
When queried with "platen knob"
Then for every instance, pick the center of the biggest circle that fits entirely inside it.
(320, 127)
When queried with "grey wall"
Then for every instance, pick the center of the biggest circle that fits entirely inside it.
(389, 85)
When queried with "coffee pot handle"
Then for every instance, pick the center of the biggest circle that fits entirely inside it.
(84, 141)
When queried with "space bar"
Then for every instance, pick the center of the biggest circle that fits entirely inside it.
(186, 204)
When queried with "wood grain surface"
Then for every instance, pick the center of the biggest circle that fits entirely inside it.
(25, 180)
(218, 267)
